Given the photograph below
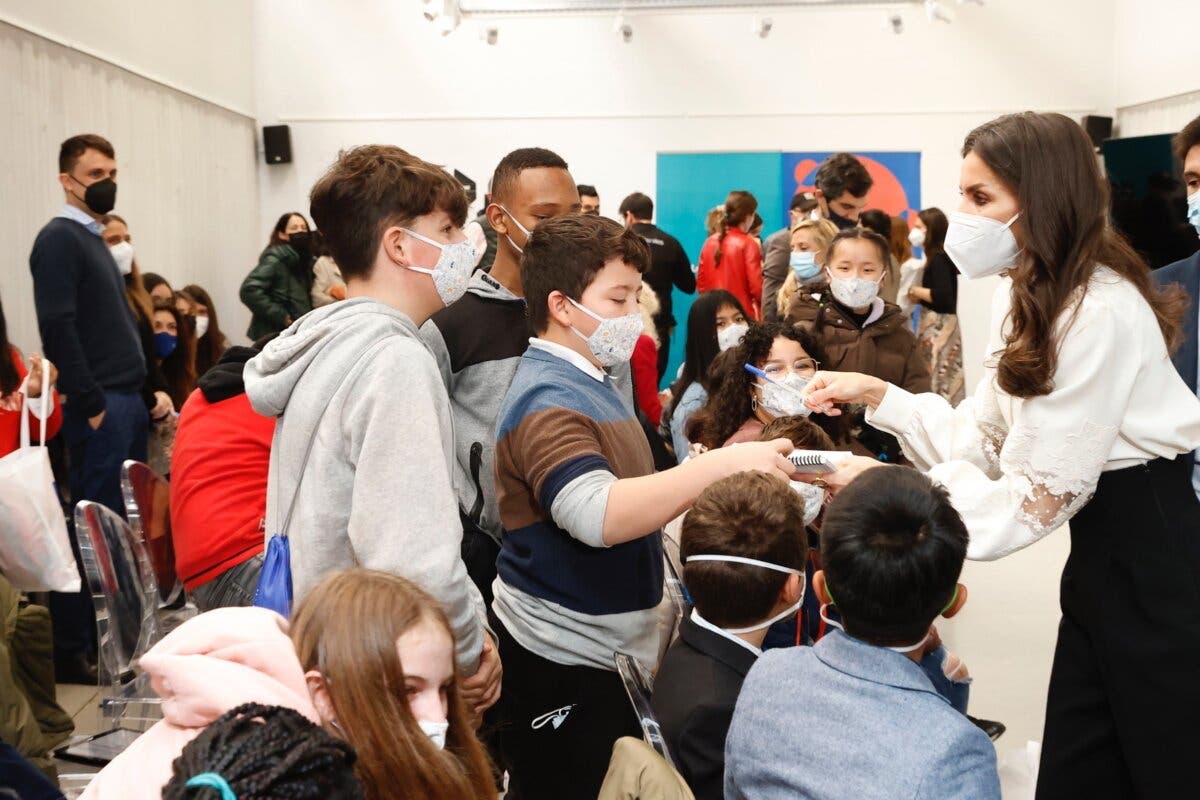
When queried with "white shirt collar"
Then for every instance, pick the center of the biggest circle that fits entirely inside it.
(570, 356)
(708, 626)
(82, 217)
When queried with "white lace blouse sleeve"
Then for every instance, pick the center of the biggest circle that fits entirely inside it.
(1037, 474)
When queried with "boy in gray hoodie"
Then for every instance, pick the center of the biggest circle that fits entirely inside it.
(363, 456)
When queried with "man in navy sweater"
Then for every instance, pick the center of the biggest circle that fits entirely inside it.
(1186, 273)
(88, 331)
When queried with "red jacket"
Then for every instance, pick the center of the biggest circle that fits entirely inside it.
(644, 365)
(740, 270)
(218, 486)
(11, 411)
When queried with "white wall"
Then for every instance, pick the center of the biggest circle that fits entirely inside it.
(376, 71)
(187, 181)
(1156, 50)
(203, 48)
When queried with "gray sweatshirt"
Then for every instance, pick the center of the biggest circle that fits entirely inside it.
(355, 379)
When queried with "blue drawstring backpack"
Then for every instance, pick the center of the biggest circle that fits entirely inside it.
(274, 590)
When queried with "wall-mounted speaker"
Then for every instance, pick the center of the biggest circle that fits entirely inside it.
(1098, 128)
(277, 144)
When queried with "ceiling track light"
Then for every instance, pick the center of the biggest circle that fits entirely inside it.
(622, 26)
(895, 22)
(762, 26)
(490, 34)
(444, 14)
(936, 12)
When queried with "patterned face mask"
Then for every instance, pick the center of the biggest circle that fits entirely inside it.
(613, 340)
(453, 269)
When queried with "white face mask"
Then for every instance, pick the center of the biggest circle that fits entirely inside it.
(122, 253)
(981, 246)
(524, 230)
(731, 335)
(813, 497)
(787, 612)
(436, 731)
(454, 266)
(201, 326)
(853, 292)
(784, 398)
(613, 340)
(916, 237)
(1193, 208)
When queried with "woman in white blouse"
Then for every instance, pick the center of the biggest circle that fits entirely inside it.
(1079, 417)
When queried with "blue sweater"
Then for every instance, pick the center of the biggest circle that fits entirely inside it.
(86, 326)
(562, 598)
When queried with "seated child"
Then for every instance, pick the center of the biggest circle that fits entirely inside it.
(805, 435)
(267, 752)
(580, 572)
(855, 715)
(744, 549)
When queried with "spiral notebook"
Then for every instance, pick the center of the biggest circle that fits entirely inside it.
(819, 462)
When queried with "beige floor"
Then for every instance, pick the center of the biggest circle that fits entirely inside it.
(1006, 634)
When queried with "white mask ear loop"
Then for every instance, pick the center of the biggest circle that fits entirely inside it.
(754, 562)
(910, 648)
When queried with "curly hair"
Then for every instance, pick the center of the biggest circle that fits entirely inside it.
(730, 402)
(266, 753)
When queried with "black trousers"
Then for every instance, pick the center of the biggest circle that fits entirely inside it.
(1124, 702)
(555, 725)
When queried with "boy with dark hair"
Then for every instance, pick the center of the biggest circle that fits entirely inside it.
(88, 331)
(855, 715)
(744, 548)
(669, 266)
(842, 183)
(1186, 273)
(362, 460)
(581, 565)
(478, 341)
(590, 199)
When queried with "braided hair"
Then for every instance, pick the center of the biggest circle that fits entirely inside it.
(266, 753)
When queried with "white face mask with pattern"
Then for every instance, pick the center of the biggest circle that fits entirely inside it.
(613, 340)
(453, 269)
(853, 292)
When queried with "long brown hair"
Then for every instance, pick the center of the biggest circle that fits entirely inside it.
(347, 628)
(936, 226)
(211, 346)
(739, 205)
(1048, 162)
(179, 368)
(136, 295)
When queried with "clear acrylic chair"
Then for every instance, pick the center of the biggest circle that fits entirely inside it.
(638, 686)
(148, 508)
(126, 599)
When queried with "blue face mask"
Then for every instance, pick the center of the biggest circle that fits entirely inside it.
(805, 266)
(1194, 210)
(164, 343)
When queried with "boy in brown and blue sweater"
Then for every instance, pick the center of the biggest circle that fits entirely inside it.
(580, 569)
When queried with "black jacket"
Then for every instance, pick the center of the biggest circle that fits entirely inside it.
(695, 691)
(669, 265)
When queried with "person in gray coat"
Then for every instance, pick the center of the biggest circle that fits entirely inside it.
(778, 252)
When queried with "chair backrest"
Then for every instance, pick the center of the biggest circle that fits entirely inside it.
(117, 574)
(148, 507)
(638, 685)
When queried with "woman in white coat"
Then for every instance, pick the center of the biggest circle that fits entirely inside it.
(1080, 417)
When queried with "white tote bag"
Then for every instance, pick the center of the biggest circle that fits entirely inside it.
(35, 552)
